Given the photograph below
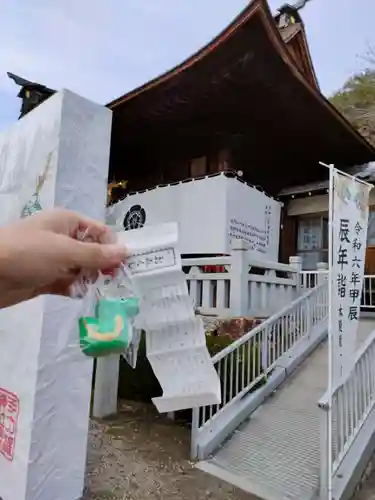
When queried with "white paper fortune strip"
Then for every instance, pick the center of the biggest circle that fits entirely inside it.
(175, 338)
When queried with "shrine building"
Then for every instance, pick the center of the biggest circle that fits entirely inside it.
(249, 103)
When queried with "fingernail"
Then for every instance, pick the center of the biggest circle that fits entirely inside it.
(109, 272)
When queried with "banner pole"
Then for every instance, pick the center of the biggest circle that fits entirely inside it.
(330, 326)
(348, 175)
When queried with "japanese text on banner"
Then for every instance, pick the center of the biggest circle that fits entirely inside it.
(349, 234)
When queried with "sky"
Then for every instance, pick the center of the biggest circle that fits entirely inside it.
(104, 48)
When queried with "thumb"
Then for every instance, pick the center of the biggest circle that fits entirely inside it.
(94, 256)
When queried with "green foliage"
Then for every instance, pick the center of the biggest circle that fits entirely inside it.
(240, 365)
(139, 384)
(216, 343)
(356, 101)
(357, 93)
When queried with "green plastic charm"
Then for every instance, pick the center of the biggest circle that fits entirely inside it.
(110, 332)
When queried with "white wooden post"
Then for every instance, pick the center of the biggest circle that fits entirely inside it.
(322, 268)
(295, 263)
(106, 386)
(193, 291)
(322, 275)
(239, 286)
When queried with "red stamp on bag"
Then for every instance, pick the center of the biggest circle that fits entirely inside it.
(9, 411)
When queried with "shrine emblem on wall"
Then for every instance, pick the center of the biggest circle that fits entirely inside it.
(135, 218)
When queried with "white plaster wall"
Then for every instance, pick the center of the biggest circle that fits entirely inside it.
(308, 205)
(207, 210)
(315, 204)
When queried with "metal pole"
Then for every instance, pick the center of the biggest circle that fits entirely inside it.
(330, 329)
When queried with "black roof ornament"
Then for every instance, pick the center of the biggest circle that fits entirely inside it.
(31, 93)
(289, 14)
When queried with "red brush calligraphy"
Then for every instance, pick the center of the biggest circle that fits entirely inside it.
(9, 412)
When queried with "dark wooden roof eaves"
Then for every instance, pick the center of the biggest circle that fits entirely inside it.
(295, 39)
(243, 17)
(319, 98)
(219, 39)
(187, 87)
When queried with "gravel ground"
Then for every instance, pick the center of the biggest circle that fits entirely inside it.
(141, 454)
(367, 492)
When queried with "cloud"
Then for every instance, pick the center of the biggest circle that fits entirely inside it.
(104, 48)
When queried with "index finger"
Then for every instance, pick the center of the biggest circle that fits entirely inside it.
(92, 230)
(70, 223)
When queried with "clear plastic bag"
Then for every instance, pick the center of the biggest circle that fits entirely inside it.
(112, 330)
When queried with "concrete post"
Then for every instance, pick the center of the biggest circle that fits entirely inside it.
(322, 268)
(239, 288)
(295, 263)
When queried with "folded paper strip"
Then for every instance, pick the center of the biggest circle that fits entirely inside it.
(175, 338)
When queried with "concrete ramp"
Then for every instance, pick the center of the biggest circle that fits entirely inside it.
(275, 453)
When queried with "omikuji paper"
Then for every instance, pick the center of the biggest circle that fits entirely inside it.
(175, 338)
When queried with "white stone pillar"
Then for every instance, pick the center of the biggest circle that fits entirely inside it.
(106, 386)
(41, 365)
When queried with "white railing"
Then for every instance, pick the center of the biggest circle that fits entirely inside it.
(246, 363)
(309, 279)
(244, 286)
(351, 404)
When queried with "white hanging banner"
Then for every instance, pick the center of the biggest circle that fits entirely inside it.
(349, 208)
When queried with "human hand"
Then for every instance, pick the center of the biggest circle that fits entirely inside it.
(41, 254)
